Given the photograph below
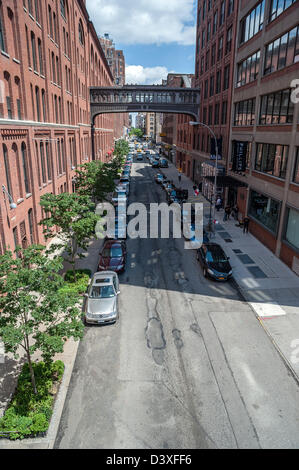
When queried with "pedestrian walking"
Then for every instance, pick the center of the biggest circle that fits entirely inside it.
(227, 212)
(236, 212)
(246, 224)
(218, 204)
(180, 178)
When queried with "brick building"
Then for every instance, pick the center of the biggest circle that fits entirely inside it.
(264, 147)
(176, 132)
(117, 64)
(215, 50)
(49, 56)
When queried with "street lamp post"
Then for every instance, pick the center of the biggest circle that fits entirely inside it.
(11, 202)
(214, 196)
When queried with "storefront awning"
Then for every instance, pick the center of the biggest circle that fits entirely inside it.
(227, 182)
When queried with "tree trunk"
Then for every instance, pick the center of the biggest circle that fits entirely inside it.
(30, 367)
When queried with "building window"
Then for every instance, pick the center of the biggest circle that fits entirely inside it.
(208, 31)
(204, 10)
(2, 35)
(8, 105)
(212, 82)
(33, 52)
(207, 60)
(36, 3)
(19, 109)
(252, 23)
(282, 52)
(278, 6)
(248, 69)
(222, 13)
(203, 39)
(272, 159)
(216, 115)
(63, 8)
(49, 162)
(50, 22)
(38, 116)
(31, 226)
(220, 48)
(210, 115)
(229, 36)
(230, 7)
(44, 105)
(42, 160)
(277, 108)
(55, 27)
(218, 81)
(206, 89)
(81, 34)
(40, 55)
(245, 113)
(213, 54)
(226, 77)
(265, 210)
(292, 227)
(25, 168)
(16, 238)
(215, 21)
(241, 153)
(224, 112)
(296, 169)
(6, 166)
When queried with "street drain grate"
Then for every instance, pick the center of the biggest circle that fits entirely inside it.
(257, 272)
(245, 259)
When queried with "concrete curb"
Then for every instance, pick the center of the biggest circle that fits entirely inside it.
(282, 355)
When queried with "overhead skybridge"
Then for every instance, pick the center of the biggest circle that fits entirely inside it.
(143, 99)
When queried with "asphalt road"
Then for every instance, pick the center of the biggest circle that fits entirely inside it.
(187, 366)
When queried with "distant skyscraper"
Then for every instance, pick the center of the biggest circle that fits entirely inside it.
(115, 59)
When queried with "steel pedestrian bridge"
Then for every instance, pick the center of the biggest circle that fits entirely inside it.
(146, 99)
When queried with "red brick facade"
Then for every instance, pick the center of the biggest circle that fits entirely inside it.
(49, 56)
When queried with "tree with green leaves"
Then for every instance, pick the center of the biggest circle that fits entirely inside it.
(121, 148)
(95, 179)
(74, 215)
(136, 132)
(35, 314)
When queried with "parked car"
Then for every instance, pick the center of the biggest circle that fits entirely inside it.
(122, 188)
(195, 241)
(120, 196)
(140, 157)
(214, 262)
(101, 304)
(113, 256)
(159, 178)
(155, 164)
(163, 163)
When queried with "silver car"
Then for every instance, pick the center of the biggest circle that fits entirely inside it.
(101, 304)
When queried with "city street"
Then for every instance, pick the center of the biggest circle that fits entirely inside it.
(187, 365)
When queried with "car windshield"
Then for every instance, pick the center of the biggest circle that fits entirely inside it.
(216, 256)
(113, 252)
(102, 292)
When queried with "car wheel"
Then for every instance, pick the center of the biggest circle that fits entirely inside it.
(205, 273)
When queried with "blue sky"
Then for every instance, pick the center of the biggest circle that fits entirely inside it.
(157, 36)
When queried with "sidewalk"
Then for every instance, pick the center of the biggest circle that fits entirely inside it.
(264, 281)
(10, 368)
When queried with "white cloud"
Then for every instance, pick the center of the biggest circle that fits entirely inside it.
(137, 74)
(145, 21)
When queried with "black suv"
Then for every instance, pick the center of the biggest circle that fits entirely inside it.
(214, 262)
